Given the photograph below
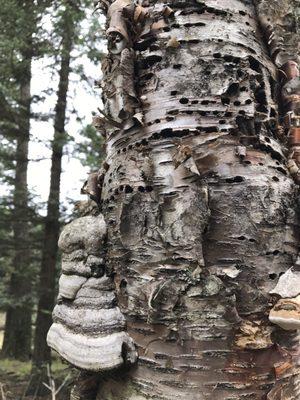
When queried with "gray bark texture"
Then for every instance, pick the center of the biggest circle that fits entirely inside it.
(199, 196)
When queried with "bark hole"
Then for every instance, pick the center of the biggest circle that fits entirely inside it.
(235, 179)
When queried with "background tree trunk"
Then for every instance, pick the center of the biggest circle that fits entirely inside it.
(17, 337)
(42, 355)
(199, 203)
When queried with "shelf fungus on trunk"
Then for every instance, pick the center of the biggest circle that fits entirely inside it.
(88, 328)
(286, 312)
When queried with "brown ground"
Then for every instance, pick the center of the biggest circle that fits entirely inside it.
(14, 387)
(15, 379)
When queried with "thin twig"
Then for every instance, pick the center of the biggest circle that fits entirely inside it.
(2, 392)
(63, 384)
(26, 388)
(37, 389)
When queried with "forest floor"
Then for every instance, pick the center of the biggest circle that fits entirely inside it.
(15, 378)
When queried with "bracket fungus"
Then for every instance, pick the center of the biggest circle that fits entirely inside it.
(88, 329)
(286, 312)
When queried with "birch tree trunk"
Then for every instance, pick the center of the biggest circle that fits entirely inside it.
(200, 206)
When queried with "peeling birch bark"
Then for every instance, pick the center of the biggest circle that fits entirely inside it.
(198, 197)
(201, 207)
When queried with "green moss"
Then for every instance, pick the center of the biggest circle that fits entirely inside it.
(23, 369)
(15, 367)
(59, 369)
